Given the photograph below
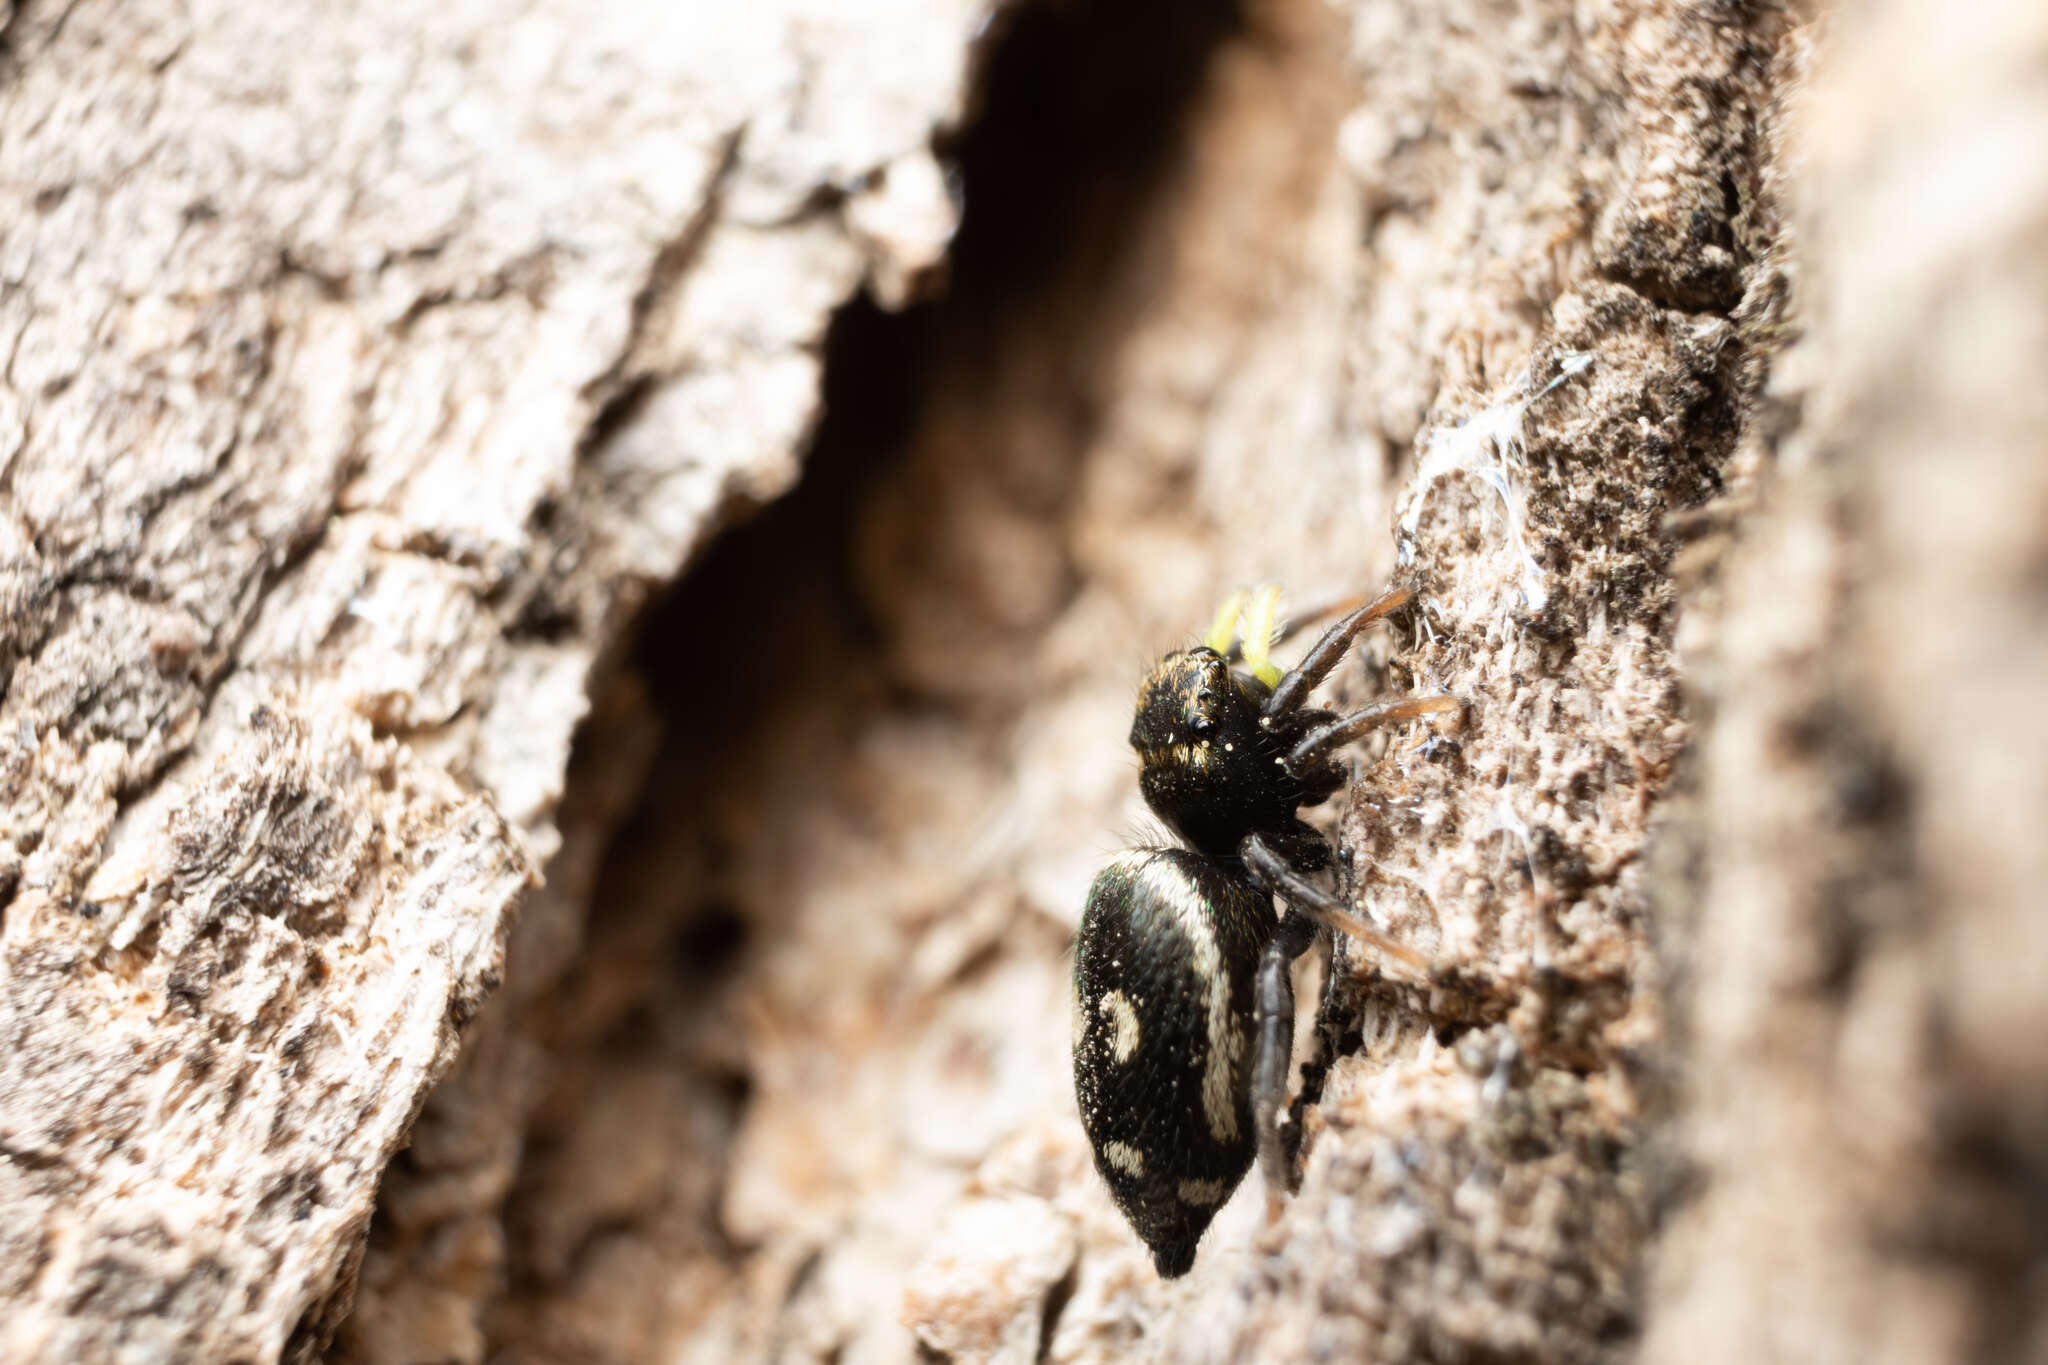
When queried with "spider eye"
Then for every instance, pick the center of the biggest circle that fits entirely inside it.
(1201, 724)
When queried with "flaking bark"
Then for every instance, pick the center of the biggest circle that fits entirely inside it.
(369, 373)
(364, 368)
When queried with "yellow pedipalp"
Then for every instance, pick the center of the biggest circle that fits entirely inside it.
(1223, 629)
(1261, 623)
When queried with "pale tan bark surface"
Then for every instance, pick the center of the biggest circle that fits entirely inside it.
(364, 367)
(1866, 1057)
(1371, 229)
(370, 372)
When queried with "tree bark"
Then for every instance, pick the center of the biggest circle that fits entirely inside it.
(1864, 1068)
(430, 936)
(364, 368)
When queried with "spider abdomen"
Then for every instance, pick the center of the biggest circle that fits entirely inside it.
(1164, 965)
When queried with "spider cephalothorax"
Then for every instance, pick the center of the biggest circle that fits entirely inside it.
(1212, 764)
(1183, 1003)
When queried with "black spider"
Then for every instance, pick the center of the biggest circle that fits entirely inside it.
(1184, 1004)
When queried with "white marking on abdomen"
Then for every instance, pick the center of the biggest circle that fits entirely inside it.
(1225, 1039)
(1124, 1157)
(1124, 1019)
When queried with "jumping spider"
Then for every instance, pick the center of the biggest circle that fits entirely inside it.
(1184, 1004)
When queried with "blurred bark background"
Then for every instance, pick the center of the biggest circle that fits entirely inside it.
(571, 585)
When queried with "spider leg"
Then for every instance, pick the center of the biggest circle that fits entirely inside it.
(1309, 907)
(1265, 863)
(1223, 636)
(1273, 1032)
(1293, 689)
(1299, 621)
(1317, 743)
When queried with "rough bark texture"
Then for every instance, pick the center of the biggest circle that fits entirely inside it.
(364, 367)
(368, 372)
(1863, 921)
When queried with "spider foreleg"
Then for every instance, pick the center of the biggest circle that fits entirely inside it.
(1293, 689)
(1319, 742)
